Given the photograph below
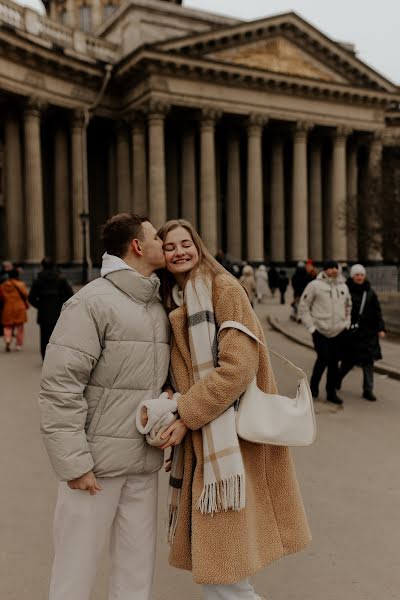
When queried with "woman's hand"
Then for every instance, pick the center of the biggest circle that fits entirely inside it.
(382, 334)
(174, 434)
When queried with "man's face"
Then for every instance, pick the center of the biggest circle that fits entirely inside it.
(332, 273)
(152, 247)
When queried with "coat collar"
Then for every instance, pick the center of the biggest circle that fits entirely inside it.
(139, 288)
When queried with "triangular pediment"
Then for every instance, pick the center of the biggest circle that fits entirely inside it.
(278, 55)
(285, 44)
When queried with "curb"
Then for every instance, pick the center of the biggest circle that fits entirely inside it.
(382, 369)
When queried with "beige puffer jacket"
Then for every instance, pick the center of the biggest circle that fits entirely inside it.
(108, 352)
(325, 305)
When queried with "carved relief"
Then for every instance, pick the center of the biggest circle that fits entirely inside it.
(279, 55)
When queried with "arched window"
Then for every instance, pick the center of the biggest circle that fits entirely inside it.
(85, 17)
(108, 10)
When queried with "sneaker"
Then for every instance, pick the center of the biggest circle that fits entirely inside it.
(18, 348)
(8, 349)
(334, 399)
(369, 396)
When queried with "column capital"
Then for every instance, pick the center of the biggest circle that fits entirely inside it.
(136, 119)
(34, 106)
(341, 133)
(121, 125)
(255, 124)
(209, 115)
(302, 128)
(156, 110)
(78, 119)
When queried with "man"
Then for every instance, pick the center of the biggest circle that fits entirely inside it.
(325, 310)
(109, 351)
(300, 279)
(48, 293)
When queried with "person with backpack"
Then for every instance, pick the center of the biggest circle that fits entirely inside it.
(48, 293)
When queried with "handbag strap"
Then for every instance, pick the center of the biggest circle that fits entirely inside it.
(363, 301)
(244, 329)
(21, 295)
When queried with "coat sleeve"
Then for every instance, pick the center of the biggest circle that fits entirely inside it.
(237, 362)
(348, 307)
(73, 351)
(34, 294)
(305, 304)
(378, 313)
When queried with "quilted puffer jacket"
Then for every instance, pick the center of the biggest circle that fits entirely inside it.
(108, 352)
(325, 305)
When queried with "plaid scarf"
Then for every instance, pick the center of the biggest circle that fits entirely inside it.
(224, 476)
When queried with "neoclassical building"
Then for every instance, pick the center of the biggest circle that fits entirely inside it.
(275, 140)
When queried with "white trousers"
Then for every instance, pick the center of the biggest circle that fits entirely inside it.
(126, 507)
(242, 590)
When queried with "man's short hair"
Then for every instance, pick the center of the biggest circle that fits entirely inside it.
(120, 230)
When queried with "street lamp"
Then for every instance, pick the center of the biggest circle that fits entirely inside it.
(84, 218)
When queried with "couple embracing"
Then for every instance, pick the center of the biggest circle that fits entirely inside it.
(234, 506)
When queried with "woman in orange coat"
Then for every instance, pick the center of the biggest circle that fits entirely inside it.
(14, 298)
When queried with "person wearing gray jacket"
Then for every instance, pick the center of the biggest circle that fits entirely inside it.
(108, 352)
(325, 310)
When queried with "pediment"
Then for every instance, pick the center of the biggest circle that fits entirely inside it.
(280, 56)
(285, 44)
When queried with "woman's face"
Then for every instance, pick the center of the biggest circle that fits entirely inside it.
(359, 278)
(181, 254)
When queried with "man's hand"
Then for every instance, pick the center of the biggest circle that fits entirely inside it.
(174, 434)
(382, 334)
(86, 482)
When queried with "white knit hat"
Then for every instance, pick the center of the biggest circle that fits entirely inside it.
(357, 270)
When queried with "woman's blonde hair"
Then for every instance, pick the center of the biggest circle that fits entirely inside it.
(207, 266)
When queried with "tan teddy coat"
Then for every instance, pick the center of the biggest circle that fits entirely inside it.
(230, 546)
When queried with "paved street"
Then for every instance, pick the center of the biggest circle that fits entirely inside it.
(349, 479)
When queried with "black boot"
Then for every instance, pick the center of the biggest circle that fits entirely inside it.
(369, 396)
(334, 398)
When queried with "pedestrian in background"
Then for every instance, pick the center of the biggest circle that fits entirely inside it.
(48, 293)
(261, 277)
(273, 279)
(300, 279)
(249, 283)
(14, 298)
(367, 326)
(283, 283)
(325, 309)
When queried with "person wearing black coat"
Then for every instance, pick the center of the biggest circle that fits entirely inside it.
(367, 326)
(48, 293)
(283, 283)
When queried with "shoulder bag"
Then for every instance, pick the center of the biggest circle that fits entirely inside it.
(271, 418)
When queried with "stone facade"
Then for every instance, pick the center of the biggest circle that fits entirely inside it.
(276, 141)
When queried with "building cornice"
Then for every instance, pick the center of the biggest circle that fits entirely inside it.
(149, 60)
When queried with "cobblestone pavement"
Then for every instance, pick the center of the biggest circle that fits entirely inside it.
(348, 478)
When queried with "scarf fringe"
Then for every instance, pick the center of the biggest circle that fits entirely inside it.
(228, 494)
(172, 523)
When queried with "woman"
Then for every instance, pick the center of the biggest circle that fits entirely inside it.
(222, 530)
(249, 283)
(262, 282)
(14, 298)
(362, 346)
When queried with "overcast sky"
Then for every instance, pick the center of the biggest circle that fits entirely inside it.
(372, 25)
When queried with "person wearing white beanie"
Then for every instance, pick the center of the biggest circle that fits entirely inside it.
(362, 347)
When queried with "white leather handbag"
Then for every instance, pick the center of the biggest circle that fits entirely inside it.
(270, 418)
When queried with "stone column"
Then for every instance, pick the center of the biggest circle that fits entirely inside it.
(208, 182)
(61, 196)
(171, 164)
(277, 224)
(300, 192)
(123, 168)
(139, 168)
(373, 207)
(315, 216)
(157, 175)
(78, 131)
(35, 245)
(338, 209)
(352, 204)
(233, 197)
(255, 199)
(188, 179)
(13, 188)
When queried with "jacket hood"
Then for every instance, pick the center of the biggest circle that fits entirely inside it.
(330, 280)
(112, 263)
